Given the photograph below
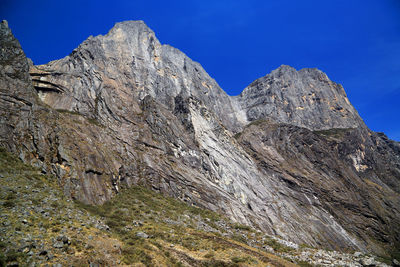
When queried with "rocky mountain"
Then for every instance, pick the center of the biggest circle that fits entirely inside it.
(305, 98)
(290, 155)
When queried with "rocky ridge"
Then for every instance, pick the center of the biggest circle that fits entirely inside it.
(305, 98)
(123, 109)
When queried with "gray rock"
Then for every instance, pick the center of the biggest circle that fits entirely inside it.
(357, 254)
(305, 98)
(269, 249)
(13, 264)
(64, 239)
(58, 244)
(5, 23)
(49, 256)
(142, 235)
(368, 262)
(137, 223)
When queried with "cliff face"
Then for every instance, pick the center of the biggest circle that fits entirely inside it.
(106, 77)
(289, 155)
(17, 94)
(305, 98)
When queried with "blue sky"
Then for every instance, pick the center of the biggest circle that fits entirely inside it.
(356, 42)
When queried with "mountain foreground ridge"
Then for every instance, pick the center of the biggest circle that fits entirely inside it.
(289, 156)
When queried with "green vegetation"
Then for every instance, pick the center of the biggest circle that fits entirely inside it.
(257, 122)
(242, 227)
(69, 112)
(334, 133)
(277, 246)
(303, 246)
(304, 264)
(249, 260)
(34, 212)
(157, 230)
(145, 227)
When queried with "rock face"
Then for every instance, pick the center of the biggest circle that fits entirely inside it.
(305, 98)
(106, 76)
(17, 94)
(290, 155)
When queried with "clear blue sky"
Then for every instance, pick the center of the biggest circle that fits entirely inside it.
(356, 42)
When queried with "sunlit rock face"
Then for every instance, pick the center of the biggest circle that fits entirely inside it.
(289, 155)
(305, 98)
(106, 76)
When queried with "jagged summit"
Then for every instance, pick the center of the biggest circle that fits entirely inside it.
(306, 98)
(129, 62)
(131, 25)
(133, 57)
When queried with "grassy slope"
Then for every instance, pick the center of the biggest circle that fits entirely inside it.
(34, 217)
(138, 227)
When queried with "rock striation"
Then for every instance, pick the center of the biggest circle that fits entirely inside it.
(106, 77)
(290, 155)
(17, 94)
(305, 98)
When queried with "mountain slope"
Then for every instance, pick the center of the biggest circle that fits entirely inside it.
(39, 226)
(123, 109)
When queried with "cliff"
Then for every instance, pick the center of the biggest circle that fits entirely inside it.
(290, 155)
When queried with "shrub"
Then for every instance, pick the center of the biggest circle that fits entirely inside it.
(304, 264)
(209, 255)
(242, 227)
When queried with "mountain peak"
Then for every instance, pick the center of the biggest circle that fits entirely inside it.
(5, 23)
(131, 25)
(283, 69)
(305, 98)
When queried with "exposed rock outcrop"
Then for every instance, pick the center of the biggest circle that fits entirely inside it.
(17, 94)
(106, 76)
(289, 155)
(305, 98)
(340, 171)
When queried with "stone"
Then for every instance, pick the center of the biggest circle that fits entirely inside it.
(58, 244)
(368, 262)
(142, 235)
(137, 223)
(43, 253)
(395, 262)
(49, 256)
(88, 246)
(268, 249)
